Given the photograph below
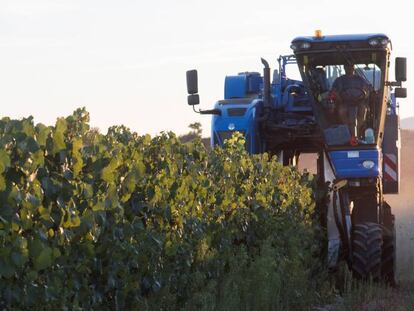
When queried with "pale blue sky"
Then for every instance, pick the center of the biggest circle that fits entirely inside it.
(125, 60)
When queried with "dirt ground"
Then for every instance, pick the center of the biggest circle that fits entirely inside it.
(403, 207)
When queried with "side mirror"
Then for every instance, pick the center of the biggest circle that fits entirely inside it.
(401, 92)
(400, 69)
(193, 99)
(192, 82)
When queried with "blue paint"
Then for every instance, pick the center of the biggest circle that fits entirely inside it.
(347, 165)
(242, 85)
(247, 123)
(341, 38)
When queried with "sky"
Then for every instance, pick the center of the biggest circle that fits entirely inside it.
(125, 60)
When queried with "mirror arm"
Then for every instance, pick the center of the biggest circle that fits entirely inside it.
(195, 110)
(212, 111)
(397, 83)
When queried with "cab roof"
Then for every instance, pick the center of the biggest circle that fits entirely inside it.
(339, 38)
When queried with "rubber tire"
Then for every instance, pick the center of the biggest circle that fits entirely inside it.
(388, 264)
(367, 251)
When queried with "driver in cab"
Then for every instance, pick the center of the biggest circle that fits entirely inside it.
(350, 93)
(350, 81)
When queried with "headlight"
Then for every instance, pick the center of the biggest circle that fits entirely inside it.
(373, 42)
(368, 164)
(300, 46)
(305, 45)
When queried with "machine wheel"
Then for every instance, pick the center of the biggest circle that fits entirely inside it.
(388, 264)
(367, 250)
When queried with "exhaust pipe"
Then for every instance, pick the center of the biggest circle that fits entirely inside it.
(266, 84)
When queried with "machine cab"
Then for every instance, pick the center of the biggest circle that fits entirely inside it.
(347, 76)
(352, 99)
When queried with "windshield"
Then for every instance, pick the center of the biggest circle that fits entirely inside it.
(347, 89)
(370, 72)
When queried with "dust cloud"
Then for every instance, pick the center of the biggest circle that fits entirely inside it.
(403, 208)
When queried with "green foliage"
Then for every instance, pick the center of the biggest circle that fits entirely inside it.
(122, 221)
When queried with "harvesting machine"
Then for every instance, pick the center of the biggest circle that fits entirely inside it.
(353, 127)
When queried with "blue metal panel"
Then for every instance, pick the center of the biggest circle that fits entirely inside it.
(392, 104)
(246, 123)
(254, 82)
(242, 85)
(336, 38)
(276, 95)
(235, 87)
(348, 164)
